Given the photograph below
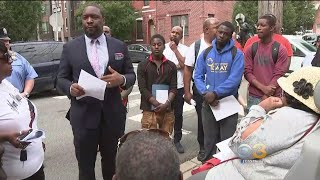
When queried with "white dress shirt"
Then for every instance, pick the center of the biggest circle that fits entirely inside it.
(102, 49)
(190, 56)
(169, 54)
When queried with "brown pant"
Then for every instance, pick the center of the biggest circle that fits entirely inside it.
(151, 120)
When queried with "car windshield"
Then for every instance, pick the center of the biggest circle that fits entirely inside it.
(305, 45)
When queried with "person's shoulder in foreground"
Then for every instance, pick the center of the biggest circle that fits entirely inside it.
(152, 156)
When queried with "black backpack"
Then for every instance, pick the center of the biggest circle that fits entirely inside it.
(274, 50)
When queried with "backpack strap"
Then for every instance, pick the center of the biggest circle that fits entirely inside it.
(275, 51)
(206, 52)
(254, 49)
(234, 52)
(196, 49)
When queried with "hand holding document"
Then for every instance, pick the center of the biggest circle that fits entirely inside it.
(227, 106)
(93, 86)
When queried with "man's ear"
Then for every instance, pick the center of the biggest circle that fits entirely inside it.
(273, 29)
(114, 177)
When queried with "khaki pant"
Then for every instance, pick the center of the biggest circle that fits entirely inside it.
(155, 120)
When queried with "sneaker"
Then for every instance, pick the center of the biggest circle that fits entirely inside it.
(179, 147)
(201, 155)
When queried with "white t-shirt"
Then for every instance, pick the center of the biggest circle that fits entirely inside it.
(169, 54)
(15, 116)
(190, 57)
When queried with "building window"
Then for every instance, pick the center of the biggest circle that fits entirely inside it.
(139, 30)
(177, 21)
(66, 23)
(65, 6)
(146, 3)
(210, 15)
(45, 27)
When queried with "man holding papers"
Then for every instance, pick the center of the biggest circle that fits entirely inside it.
(157, 81)
(95, 120)
(218, 75)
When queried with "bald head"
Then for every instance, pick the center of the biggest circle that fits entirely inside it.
(210, 22)
(210, 27)
(177, 28)
(176, 34)
(107, 30)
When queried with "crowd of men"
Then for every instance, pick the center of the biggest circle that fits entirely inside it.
(214, 65)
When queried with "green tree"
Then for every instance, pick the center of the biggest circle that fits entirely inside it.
(289, 18)
(295, 14)
(305, 14)
(120, 16)
(20, 18)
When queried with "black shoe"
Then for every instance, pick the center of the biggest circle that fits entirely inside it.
(179, 147)
(201, 155)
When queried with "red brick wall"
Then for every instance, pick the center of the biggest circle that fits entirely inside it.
(196, 10)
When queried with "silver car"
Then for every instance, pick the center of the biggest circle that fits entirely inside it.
(139, 52)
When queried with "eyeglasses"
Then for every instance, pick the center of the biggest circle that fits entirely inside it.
(133, 133)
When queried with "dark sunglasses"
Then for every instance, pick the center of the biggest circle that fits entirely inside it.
(7, 57)
(133, 133)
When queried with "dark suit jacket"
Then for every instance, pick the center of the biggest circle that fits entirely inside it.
(86, 112)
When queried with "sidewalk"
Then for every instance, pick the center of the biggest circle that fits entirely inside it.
(188, 166)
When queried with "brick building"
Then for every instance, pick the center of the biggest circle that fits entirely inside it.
(316, 25)
(161, 16)
(67, 10)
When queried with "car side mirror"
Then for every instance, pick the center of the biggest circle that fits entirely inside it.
(141, 49)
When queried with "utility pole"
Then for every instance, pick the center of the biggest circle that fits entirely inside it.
(271, 7)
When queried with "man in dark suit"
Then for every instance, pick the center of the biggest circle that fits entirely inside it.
(96, 122)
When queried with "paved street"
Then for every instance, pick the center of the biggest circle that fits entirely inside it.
(60, 161)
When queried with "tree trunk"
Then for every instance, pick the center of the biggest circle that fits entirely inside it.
(271, 7)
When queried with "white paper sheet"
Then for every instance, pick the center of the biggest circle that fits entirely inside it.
(225, 151)
(92, 85)
(227, 106)
(162, 96)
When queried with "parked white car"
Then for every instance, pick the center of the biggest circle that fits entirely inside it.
(301, 50)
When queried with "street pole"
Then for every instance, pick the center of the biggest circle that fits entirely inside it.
(183, 34)
(57, 32)
(271, 7)
(69, 19)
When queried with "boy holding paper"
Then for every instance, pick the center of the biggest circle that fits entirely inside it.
(157, 81)
(218, 75)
